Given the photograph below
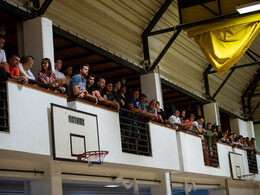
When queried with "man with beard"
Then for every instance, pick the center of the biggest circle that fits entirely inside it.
(77, 85)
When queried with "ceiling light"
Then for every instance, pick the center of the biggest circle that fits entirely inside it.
(112, 186)
(250, 7)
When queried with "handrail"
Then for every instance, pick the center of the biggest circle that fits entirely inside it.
(4, 126)
(135, 135)
(46, 86)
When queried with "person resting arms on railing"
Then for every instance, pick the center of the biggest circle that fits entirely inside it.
(197, 126)
(12, 70)
(77, 85)
(143, 107)
(174, 120)
(151, 109)
(225, 137)
(160, 111)
(189, 121)
(109, 97)
(47, 76)
(25, 66)
(59, 75)
(116, 88)
(99, 93)
(133, 102)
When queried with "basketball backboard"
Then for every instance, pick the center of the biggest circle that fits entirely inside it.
(73, 133)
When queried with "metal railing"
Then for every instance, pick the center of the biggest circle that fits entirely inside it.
(252, 161)
(4, 124)
(210, 151)
(209, 148)
(43, 85)
(135, 135)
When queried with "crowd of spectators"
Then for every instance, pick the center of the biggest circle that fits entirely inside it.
(83, 85)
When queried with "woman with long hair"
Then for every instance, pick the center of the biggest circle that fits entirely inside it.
(47, 76)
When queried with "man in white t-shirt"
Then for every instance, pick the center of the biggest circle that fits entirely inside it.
(2, 54)
(198, 125)
(58, 74)
(175, 121)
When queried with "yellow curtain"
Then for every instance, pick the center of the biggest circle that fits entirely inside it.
(224, 42)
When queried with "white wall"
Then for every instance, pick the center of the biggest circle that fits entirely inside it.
(29, 119)
(244, 128)
(163, 141)
(191, 148)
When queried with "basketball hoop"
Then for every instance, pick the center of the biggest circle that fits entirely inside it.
(248, 177)
(93, 157)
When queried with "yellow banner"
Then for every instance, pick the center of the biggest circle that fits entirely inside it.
(225, 42)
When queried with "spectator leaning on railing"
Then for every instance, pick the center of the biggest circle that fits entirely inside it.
(25, 66)
(77, 85)
(174, 120)
(109, 97)
(47, 76)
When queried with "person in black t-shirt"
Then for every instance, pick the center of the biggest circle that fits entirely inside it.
(102, 97)
(90, 84)
(116, 87)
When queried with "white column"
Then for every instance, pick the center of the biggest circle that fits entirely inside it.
(241, 127)
(151, 87)
(51, 183)
(164, 187)
(38, 41)
(211, 113)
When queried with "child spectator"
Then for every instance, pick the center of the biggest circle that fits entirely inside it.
(46, 75)
(2, 54)
(25, 66)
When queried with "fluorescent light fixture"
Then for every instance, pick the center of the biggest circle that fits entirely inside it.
(250, 7)
(112, 186)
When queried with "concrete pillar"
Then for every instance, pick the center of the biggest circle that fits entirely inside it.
(51, 183)
(211, 113)
(241, 127)
(164, 187)
(37, 41)
(151, 87)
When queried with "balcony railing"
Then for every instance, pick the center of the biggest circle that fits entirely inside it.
(4, 126)
(252, 161)
(209, 148)
(135, 135)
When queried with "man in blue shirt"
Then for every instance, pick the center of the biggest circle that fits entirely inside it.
(77, 85)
